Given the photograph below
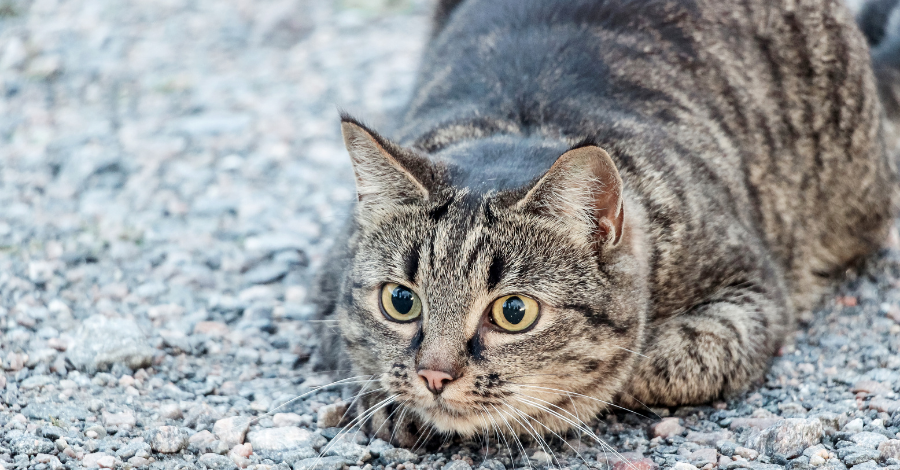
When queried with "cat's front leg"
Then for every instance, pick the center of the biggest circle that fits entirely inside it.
(711, 351)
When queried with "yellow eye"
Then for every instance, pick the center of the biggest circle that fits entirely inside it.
(514, 312)
(400, 303)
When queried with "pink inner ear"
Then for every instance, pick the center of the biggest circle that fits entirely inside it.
(582, 189)
(610, 210)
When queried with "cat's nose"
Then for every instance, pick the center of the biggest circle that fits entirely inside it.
(435, 380)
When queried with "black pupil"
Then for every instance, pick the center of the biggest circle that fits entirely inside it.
(514, 310)
(402, 300)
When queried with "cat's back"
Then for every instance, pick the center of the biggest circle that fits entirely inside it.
(762, 112)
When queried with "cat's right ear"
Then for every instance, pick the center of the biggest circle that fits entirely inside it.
(386, 175)
(582, 191)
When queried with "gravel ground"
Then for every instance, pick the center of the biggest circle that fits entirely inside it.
(170, 175)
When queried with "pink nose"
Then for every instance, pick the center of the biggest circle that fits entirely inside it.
(435, 379)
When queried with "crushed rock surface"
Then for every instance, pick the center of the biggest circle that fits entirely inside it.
(171, 174)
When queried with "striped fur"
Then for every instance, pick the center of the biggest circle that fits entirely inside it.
(748, 135)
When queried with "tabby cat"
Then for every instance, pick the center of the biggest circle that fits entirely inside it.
(599, 202)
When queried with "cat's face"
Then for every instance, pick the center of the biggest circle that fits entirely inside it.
(502, 311)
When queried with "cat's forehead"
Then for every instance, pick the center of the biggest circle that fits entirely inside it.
(499, 163)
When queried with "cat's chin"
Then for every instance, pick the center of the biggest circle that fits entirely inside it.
(464, 424)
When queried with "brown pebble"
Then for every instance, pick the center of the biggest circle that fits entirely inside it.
(666, 428)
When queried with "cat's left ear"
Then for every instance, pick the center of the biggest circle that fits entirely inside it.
(387, 175)
(583, 191)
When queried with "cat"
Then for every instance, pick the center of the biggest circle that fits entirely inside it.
(604, 203)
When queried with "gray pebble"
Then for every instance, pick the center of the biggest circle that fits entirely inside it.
(324, 463)
(28, 444)
(398, 455)
(101, 342)
(457, 465)
(167, 439)
(216, 462)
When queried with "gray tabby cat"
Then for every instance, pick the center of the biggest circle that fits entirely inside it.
(631, 201)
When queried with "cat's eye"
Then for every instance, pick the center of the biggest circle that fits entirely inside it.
(400, 303)
(514, 313)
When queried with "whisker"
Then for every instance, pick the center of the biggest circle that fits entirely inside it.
(643, 404)
(500, 435)
(424, 438)
(346, 381)
(399, 420)
(357, 396)
(359, 419)
(515, 436)
(633, 352)
(567, 392)
(580, 423)
(558, 436)
(537, 437)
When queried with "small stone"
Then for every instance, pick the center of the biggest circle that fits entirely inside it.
(854, 426)
(323, 463)
(135, 447)
(101, 342)
(890, 449)
(123, 420)
(867, 465)
(170, 411)
(201, 416)
(45, 411)
(93, 460)
(52, 432)
(35, 382)
(167, 439)
(398, 455)
(215, 329)
(746, 453)
(629, 461)
(96, 431)
(708, 438)
(868, 439)
(855, 455)
(884, 405)
(28, 444)
(286, 438)
(242, 450)
(232, 431)
(702, 457)
(216, 462)
(756, 423)
(726, 448)
(816, 461)
(871, 387)
(240, 454)
(378, 447)
(789, 437)
(683, 466)
(348, 450)
(457, 465)
(540, 457)
(330, 416)
(138, 462)
(287, 419)
(666, 428)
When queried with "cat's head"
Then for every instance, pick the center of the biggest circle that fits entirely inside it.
(476, 307)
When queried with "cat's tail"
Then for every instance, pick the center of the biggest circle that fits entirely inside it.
(880, 22)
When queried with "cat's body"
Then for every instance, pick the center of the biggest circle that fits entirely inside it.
(748, 139)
